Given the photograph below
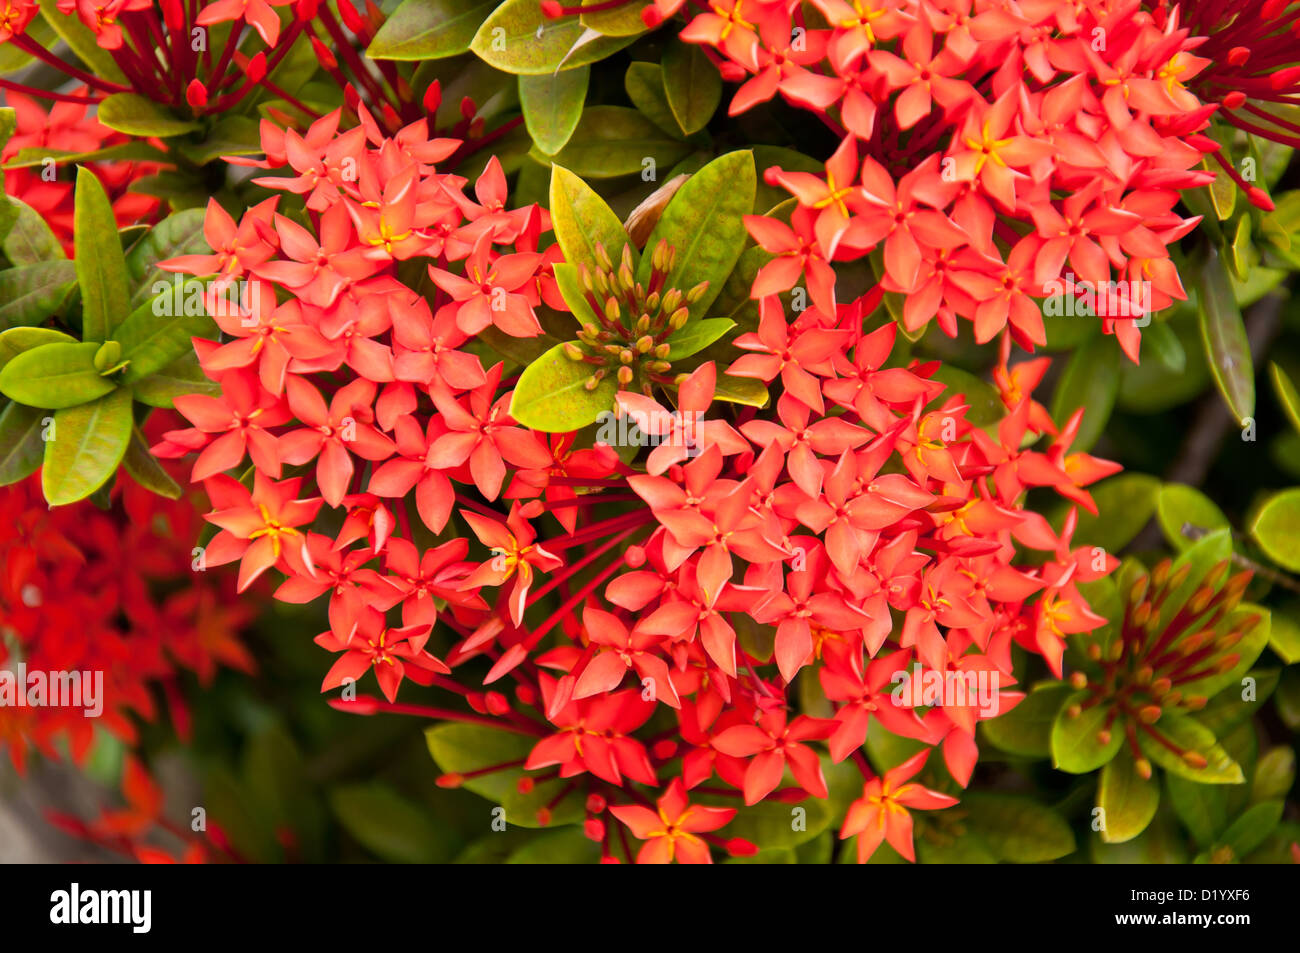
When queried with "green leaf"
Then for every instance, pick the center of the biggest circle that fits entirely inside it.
(1128, 801)
(232, 135)
(581, 220)
(81, 41)
(178, 234)
(1179, 505)
(143, 467)
(31, 293)
(610, 141)
(429, 29)
(85, 448)
(567, 846)
(17, 340)
(181, 376)
(1075, 745)
(644, 85)
(518, 38)
(1190, 735)
(159, 331)
(21, 446)
(1018, 829)
(135, 151)
(552, 105)
(704, 223)
(986, 406)
(696, 336)
(387, 824)
(741, 390)
(1026, 730)
(135, 115)
(1274, 775)
(1202, 808)
(623, 20)
(101, 268)
(464, 748)
(1248, 650)
(1287, 395)
(1125, 503)
(1090, 381)
(31, 241)
(1252, 828)
(1284, 633)
(1227, 349)
(551, 395)
(1276, 528)
(54, 376)
(8, 123)
(692, 85)
(1162, 341)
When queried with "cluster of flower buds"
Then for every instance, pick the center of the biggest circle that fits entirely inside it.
(631, 340)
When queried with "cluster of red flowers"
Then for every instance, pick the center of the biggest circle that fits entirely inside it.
(108, 591)
(66, 127)
(992, 154)
(862, 532)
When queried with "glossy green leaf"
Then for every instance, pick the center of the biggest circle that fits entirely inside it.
(387, 824)
(463, 748)
(21, 446)
(1075, 745)
(1284, 632)
(144, 468)
(1161, 342)
(622, 20)
(82, 42)
(1276, 527)
(518, 38)
(101, 268)
(1223, 333)
(1202, 808)
(696, 336)
(704, 223)
(1190, 735)
(181, 376)
(552, 105)
(1090, 381)
(644, 85)
(232, 135)
(429, 29)
(1253, 826)
(566, 846)
(54, 376)
(582, 220)
(1274, 775)
(1287, 395)
(87, 445)
(17, 340)
(741, 390)
(1179, 506)
(180, 233)
(135, 115)
(159, 331)
(610, 141)
(1026, 730)
(31, 293)
(30, 241)
(692, 85)
(986, 406)
(1128, 801)
(551, 395)
(136, 151)
(566, 279)
(1016, 828)
(1125, 503)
